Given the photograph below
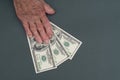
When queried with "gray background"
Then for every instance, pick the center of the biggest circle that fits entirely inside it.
(95, 22)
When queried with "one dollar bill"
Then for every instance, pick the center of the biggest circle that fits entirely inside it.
(58, 52)
(41, 56)
(70, 43)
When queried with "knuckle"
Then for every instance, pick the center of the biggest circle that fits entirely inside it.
(40, 29)
(49, 32)
(42, 15)
(35, 35)
(25, 26)
(28, 33)
(45, 20)
(33, 28)
(35, 32)
(42, 11)
(43, 35)
(26, 29)
(47, 25)
(49, 29)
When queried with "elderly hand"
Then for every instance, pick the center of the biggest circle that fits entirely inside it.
(32, 14)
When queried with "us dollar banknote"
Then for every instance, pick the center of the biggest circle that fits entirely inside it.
(41, 56)
(62, 46)
(69, 43)
(58, 52)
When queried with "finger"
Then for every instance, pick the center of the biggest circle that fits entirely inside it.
(26, 27)
(48, 9)
(47, 26)
(41, 30)
(34, 32)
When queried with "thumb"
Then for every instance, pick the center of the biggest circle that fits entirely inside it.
(48, 9)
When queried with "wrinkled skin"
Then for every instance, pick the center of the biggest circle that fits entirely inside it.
(32, 14)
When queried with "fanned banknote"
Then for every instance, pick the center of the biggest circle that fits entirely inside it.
(41, 55)
(62, 46)
(70, 43)
(58, 52)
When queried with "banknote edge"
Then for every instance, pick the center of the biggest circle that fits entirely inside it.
(48, 69)
(71, 57)
(32, 55)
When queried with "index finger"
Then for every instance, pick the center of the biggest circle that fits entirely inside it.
(47, 25)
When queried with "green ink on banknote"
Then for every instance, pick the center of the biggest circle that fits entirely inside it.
(39, 66)
(66, 44)
(56, 52)
(43, 58)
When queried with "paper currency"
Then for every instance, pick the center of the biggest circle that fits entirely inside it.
(58, 52)
(70, 43)
(62, 46)
(41, 55)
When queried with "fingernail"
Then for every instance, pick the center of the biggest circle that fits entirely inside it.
(52, 10)
(39, 41)
(30, 36)
(46, 41)
(51, 35)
